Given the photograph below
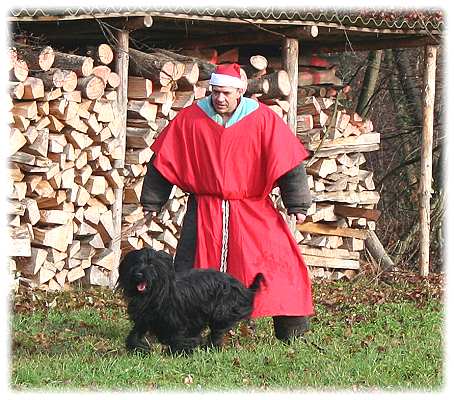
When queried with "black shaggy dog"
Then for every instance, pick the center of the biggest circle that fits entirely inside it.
(177, 307)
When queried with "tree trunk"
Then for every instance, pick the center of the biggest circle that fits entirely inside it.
(408, 81)
(369, 82)
(393, 87)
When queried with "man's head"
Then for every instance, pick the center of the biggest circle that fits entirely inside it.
(225, 99)
(228, 84)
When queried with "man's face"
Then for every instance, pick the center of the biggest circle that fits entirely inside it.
(225, 99)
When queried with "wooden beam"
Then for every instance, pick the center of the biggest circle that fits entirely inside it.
(121, 68)
(240, 37)
(136, 23)
(375, 44)
(426, 157)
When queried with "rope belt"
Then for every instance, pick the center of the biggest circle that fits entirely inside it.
(225, 234)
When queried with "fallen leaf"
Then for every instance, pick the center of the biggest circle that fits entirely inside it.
(188, 380)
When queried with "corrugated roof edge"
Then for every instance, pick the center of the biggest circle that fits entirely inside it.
(373, 18)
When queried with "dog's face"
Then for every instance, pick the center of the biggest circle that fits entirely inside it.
(143, 270)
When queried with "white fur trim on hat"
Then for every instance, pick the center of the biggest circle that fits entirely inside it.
(226, 80)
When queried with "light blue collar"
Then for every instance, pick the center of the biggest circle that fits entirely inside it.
(245, 107)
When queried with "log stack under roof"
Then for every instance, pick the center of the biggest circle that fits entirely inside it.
(64, 154)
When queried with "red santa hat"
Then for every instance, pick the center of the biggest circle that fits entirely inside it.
(227, 75)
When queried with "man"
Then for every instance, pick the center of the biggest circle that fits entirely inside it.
(229, 152)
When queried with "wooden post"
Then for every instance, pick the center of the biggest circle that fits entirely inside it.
(290, 63)
(121, 68)
(426, 158)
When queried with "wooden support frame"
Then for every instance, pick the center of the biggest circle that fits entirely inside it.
(290, 64)
(426, 158)
(290, 50)
(121, 68)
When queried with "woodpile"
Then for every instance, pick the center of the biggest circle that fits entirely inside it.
(66, 162)
(342, 188)
(63, 144)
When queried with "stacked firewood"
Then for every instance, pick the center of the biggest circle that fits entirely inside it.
(160, 84)
(63, 147)
(342, 188)
(66, 161)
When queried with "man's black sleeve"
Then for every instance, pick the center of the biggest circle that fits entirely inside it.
(155, 190)
(295, 190)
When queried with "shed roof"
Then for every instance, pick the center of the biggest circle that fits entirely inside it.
(423, 20)
(338, 29)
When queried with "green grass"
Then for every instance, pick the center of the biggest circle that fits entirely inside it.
(391, 346)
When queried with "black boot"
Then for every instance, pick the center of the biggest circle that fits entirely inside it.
(287, 328)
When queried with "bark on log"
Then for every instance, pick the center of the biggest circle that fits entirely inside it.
(258, 62)
(190, 76)
(377, 251)
(36, 57)
(205, 68)
(279, 84)
(19, 72)
(92, 87)
(81, 65)
(258, 85)
(102, 54)
(154, 67)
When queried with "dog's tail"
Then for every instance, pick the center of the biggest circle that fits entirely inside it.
(255, 285)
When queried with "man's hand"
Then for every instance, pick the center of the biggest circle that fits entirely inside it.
(300, 218)
(148, 215)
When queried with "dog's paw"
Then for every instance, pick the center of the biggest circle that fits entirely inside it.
(138, 346)
(138, 349)
(178, 352)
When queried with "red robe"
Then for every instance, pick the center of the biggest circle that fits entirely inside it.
(240, 164)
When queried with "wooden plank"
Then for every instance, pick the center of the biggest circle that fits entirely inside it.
(348, 196)
(364, 139)
(331, 151)
(345, 211)
(329, 253)
(332, 230)
(316, 261)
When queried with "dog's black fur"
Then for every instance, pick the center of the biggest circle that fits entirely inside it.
(177, 307)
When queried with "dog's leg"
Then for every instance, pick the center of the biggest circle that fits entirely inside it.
(183, 345)
(136, 341)
(217, 333)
